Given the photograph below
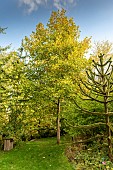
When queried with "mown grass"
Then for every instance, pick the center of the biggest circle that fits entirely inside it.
(43, 154)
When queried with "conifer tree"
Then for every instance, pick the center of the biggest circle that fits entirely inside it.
(99, 88)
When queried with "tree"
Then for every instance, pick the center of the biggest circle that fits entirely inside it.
(2, 89)
(13, 96)
(56, 58)
(99, 88)
(2, 31)
(102, 47)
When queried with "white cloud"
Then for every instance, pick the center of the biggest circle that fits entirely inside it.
(32, 5)
(57, 4)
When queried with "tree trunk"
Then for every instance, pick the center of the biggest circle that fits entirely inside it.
(106, 94)
(108, 133)
(58, 122)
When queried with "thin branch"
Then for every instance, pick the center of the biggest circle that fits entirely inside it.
(90, 139)
(85, 94)
(89, 112)
(101, 63)
(87, 126)
(95, 66)
(109, 101)
(110, 125)
(86, 84)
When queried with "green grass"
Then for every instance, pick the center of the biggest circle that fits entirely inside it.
(43, 154)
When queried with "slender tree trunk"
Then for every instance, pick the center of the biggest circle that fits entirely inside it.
(58, 122)
(108, 132)
(106, 94)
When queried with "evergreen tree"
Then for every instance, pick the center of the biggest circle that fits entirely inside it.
(99, 88)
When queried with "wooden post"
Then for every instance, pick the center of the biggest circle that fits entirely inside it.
(8, 144)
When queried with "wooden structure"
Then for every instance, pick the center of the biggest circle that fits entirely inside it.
(8, 144)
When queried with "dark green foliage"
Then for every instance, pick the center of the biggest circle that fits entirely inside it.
(94, 157)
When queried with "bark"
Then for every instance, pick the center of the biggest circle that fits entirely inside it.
(108, 133)
(58, 122)
(106, 94)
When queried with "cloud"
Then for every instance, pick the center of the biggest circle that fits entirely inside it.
(32, 5)
(57, 4)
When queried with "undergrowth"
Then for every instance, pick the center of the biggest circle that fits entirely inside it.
(93, 157)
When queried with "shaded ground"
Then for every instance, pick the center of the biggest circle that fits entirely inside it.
(94, 157)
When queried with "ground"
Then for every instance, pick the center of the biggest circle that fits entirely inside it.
(43, 154)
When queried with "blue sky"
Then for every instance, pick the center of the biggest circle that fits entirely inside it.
(94, 17)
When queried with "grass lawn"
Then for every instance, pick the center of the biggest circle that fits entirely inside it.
(43, 154)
